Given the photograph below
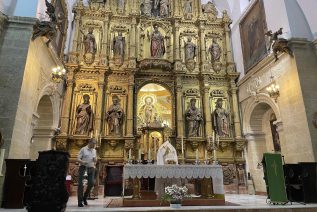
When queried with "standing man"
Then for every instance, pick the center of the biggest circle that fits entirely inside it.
(87, 158)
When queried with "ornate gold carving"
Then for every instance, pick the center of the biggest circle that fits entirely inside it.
(192, 92)
(239, 145)
(61, 144)
(155, 63)
(217, 93)
(117, 89)
(86, 87)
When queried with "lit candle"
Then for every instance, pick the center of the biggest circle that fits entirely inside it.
(197, 154)
(129, 154)
(182, 145)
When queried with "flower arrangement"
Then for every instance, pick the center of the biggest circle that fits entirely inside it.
(175, 193)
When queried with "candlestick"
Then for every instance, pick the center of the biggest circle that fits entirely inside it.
(206, 155)
(213, 136)
(139, 154)
(129, 154)
(209, 141)
(24, 170)
(182, 145)
(196, 154)
(91, 134)
(149, 155)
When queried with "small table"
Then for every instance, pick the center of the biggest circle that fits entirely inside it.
(137, 171)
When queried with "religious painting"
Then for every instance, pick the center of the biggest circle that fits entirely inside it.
(252, 31)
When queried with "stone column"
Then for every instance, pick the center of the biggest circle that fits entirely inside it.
(179, 108)
(235, 108)
(207, 109)
(67, 103)
(105, 41)
(130, 106)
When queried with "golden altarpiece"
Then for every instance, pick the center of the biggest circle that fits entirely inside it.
(141, 71)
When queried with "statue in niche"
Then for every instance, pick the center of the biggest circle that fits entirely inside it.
(188, 9)
(157, 43)
(90, 42)
(221, 119)
(241, 174)
(164, 8)
(120, 5)
(193, 117)
(156, 8)
(119, 48)
(114, 116)
(84, 117)
(146, 7)
(149, 110)
(190, 49)
(215, 51)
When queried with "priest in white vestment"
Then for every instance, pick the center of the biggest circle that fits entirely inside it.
(166, 154)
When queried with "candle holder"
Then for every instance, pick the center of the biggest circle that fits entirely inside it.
(197, 162)
(149, 161)
(206, 162)
(215, 162)
(130, 161)
(139, 161)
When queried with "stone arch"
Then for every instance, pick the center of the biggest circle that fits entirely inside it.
(257, 130)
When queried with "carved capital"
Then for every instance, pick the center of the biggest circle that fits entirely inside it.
(61, 144)
(240, 145)
(129, 144)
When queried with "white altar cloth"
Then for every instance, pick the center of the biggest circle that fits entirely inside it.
(177, 171)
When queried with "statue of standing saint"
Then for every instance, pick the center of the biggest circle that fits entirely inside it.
(193, 117)
(157, 43)
(90, 42)
(114, 116)
(215, 51)
(118, 48)
(164, 8)
(120, 5)
(190, 50)
(221, 119)
(188, 9)
(84, 117)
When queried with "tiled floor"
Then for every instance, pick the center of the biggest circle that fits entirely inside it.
(244, 201)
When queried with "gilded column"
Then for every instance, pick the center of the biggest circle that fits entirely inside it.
(227, 21)
(202, 44)
(236, 117)
(130, 106)
(207, 109)
(101, 86)
(132, 38)
(105, 40)
(179, 108)
(176, 41)
(177, 7)
(67, 103)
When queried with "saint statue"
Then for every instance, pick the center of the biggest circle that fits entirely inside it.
(157, 43)
(164, 8)
(114, 116)
(193, 117)
(190, 50)
(146, 7)
(118, 48)
(188, 9)
(84, 117)
(221, 119)
(215, 51)
(90, 42)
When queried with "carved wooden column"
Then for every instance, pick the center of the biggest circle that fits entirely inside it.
(207, 109)
(130, 106)
(179, 108)
(236, 117)
(67, 103)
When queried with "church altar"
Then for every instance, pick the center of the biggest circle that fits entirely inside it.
(204, 172)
